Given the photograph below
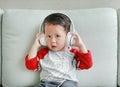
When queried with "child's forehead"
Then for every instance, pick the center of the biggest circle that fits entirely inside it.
(58, 27)
(54, 26)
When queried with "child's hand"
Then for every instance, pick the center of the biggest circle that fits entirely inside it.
(35, 46)
(78, 42)
(37, 40)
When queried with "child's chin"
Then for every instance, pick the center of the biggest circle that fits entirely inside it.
(54, 50)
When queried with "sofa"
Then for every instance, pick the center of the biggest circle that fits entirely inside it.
(98, 27)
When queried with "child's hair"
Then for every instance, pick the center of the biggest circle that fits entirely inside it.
(57, 19)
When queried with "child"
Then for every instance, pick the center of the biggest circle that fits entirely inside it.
(58, 62)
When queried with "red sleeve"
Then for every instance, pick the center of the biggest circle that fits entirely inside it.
(41, 53)
(83, 60)
(32, 63)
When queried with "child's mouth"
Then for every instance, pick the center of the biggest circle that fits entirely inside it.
(53, 47)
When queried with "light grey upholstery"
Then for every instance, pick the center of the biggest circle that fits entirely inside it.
(1, 12)
(97, 27)
(118, 46)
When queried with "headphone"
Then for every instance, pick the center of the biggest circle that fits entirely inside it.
(69, 37)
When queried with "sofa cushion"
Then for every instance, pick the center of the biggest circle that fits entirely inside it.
(1, 12)
(97, 27)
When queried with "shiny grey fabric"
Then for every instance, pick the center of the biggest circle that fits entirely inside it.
(67, 83)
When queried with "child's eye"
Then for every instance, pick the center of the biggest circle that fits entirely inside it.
(57, 36)
(49, 36)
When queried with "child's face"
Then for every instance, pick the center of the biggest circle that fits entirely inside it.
(55, 36)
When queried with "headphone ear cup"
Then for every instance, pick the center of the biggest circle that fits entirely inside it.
(70, 39)
(42, 40)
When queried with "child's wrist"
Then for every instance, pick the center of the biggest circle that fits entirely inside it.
(36, 46)
(82, 48)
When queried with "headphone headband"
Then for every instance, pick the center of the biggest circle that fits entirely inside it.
(72, 27)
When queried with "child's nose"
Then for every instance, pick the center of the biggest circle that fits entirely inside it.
(53, 40)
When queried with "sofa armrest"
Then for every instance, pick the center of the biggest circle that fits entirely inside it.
(1, 13)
